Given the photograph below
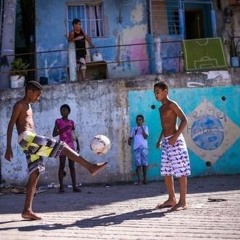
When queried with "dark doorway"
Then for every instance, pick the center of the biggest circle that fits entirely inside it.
(194, 24)
(25, 34)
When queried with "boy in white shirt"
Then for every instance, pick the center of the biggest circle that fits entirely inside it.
(139, 135)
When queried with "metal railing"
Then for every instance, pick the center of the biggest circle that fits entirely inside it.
(60, 69)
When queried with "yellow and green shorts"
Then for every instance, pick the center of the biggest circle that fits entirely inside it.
(36, 146)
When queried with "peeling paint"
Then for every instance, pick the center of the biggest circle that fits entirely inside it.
(137, 14)
(109, 107)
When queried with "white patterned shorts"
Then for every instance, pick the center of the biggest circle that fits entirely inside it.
(175, 159)
(140, 156)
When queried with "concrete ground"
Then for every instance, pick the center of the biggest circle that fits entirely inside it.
(127, 212)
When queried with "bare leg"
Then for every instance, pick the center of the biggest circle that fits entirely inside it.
(61, 172)
(171, 201)
(79, 73)
(83, 74)
(144, 170)
(74, 156)
(27, 212)
(138, 171)
(181, 205)
(73, 175)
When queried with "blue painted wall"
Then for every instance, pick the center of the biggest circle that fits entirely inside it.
(213, 132)
(126, 26)
(127, 46)
(51, 43)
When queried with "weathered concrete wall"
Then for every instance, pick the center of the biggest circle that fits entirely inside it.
(110, 107)
(97, 108)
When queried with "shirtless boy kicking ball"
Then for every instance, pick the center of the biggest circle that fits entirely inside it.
(174, 160)
(35, 146)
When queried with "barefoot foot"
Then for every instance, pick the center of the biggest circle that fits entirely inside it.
(166, 204)
(30, 216)
(97, 167)
(178, 207)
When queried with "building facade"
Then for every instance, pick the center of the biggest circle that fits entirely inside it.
(141, 42)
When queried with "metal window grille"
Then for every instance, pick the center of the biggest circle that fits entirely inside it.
(164, 17)
(167, 17)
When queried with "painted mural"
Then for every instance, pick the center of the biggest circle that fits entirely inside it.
(123, 46)
(213, 132)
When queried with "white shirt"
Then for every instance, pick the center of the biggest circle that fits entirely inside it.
(139, 140)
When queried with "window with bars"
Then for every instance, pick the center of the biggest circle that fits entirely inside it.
(90, 14)
(189, 18)
(164, 17)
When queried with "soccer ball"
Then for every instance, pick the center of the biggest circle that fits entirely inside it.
(100, 144)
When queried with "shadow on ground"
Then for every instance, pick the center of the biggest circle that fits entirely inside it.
(52, 201)
(101, 220)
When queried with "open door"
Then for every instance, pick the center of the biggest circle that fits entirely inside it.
(194, 24)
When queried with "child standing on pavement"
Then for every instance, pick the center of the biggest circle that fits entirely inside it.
(175, 159)
(65, 129)
(139, 135)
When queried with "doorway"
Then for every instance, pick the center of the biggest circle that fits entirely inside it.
(194, 24)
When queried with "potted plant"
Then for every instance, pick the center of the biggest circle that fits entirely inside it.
(18, 73)
(234, 61)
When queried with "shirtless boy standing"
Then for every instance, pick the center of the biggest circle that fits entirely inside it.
(35, 146)
(175, 159)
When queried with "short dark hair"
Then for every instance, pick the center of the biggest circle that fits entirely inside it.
(66, 106)
(75, 21)
(33, 85)
(162, 85)
(140, 116)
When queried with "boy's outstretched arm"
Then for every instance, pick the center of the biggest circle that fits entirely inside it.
(15, 113)
(158, 145)
(180, 114)
(71, 37)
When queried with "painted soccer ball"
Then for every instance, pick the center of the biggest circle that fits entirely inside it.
(100, 144)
